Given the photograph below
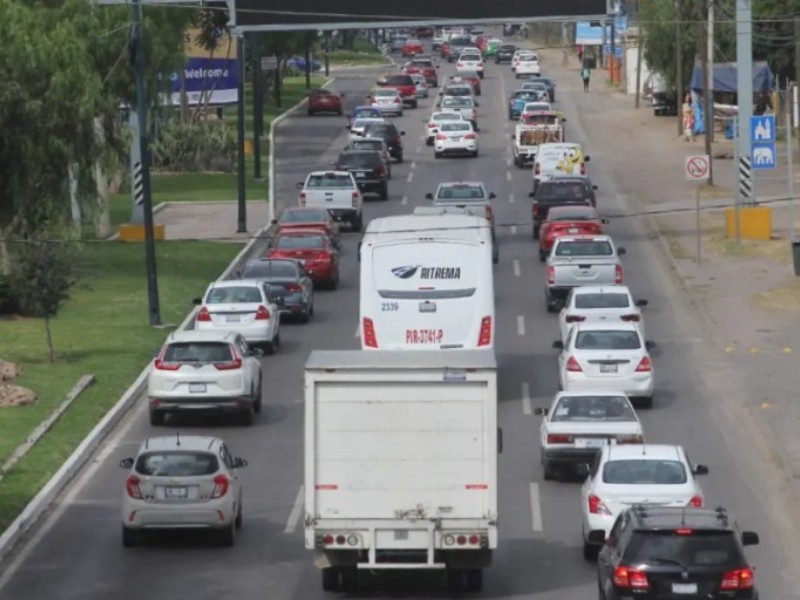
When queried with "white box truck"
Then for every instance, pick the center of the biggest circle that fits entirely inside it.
(401, 452)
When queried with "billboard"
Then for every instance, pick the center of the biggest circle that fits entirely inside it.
(211, 77)
(266, 15)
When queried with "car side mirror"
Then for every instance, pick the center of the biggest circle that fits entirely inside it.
(492, 196)
(347, 126)
(541, 411)
(700, 470)
(274, 222)
(126, 463)
(621, 251)
(428, 196)
(197, 301)
(597, 537)
(750, 538)
(239, 462)
(558, 345)
(649, 344)
(594, 187)
(402, 133)
(587, 158)
(513, 136)
(605, 221)
(299, 185)
(563, 120)
(641, 303)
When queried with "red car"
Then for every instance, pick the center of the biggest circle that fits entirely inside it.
(574, 219)
(424, 67)
(297, 217)
(412, 47)
(424, 32)
(470, 77)
(324, 101)
(312, 248)
(404, 84)
(482, 43)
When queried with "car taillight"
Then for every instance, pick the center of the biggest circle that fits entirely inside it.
(204, 315)
(696, 501)
(575, 319)
(485, 336)
(302, 198)
(229, 365)
(738, 579)
(629, 318)
(551, 276)
(626, 577)
(132, 487)
(618, 274)
(293, 287)
(368, 333)
(644, 365)
(596, 506)
(221, 485)
(559, 438)
(630, 439)
(441, 136)
(356, 196)
(431, 124)
(470, 136)
(480, 64)
(162, 365)
(537, 169)
(460, 64)
(262, 314)
(573, 365)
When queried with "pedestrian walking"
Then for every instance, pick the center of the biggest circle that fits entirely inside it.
(688, 120)
(580, 54)
(585, 75)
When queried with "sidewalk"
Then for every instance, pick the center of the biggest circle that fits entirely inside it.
(211, 220)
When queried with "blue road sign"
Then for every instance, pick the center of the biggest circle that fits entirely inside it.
(617, 50)
(762, 141)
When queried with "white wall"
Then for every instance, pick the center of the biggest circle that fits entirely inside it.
(630, 71)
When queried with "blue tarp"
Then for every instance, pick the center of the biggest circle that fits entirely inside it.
(725, 77)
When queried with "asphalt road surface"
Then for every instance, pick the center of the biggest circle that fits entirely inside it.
(77, 552)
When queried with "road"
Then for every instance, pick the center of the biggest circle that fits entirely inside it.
(77, 552)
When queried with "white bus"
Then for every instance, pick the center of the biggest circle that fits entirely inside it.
(427, 283)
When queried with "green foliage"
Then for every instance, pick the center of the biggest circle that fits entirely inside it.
(195, 147)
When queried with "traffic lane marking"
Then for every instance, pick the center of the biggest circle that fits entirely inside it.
(297, 509)
(527, 409)
(536, 508)
(410, 177)
(511, 198)
(520, 324)
(517, 268)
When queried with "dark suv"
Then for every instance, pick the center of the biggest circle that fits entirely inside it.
(560, 191)
(456, 45)
(369, 170)
(668, 553)
(389, 133)
(504, 53)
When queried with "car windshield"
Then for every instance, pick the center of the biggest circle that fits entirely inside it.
(456, 126)
(593, 408)
(607, 340)
(223, 295)
(283, 269)
(584, 248)
(470, 57)
(704, 548)
(607, 300)
(562, 191)
(528, 57)
(330, 180)
(447, 117)
(203, 352)
(459, 101)
(458, 91)
(461, 192)
(577, 213)
(176, 464)
(359, 123)
(286, 242)
(370, 145)
(362, 160)
(425, 64)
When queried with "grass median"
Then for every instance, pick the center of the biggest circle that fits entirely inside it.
(102, 330)
(363, 53)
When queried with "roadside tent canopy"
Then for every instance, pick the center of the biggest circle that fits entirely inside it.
(725, 77)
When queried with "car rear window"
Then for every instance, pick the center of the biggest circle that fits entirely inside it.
(202, 352)
(593, 408)
(177, 464)
(321, 92)
(366, 112)
(458, 91)
(645, 472)
(562, 191)
(300, 241)
(372, 145)
(270, 269)
(381, 129)
(607, 340)
(331, 180)
(461, 192)
(524, 95)
(388, 92)
(456, 126)
(308, 215)
(699, 548)
(572, 213)
(368, 159)
(584, 248)
(222, 295)
(460, 41)
(426, 64)
(399, 80)
(459, 101)
(447, 117)
(612, 300)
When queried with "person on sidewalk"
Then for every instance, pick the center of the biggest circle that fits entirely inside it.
(585, 75)
(688, 120)
(580, 54)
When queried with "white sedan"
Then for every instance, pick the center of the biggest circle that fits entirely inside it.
(435, 122)
(456, 137)
(606, 356)
(387, 100)
(577, 425)
(528, 64)
(246, 307)
(420, 84)
(624, 476)
(599, 303)
(359, 125)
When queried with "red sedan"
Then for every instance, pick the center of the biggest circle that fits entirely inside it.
(482, 43)
(297, 217)
(311, 248)
(424, 67)
(575, 219)
(324, 101)
(412, 47)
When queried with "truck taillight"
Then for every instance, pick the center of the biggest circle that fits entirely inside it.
(485, 336)
(618, 274)
(368, 333)
(551, 276)
(302, 198)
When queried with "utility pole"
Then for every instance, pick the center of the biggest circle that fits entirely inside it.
(708, 105)
(565, 43)
(242, 204)
(327, 53)
(679, 63)
(258, 105)
(744, 92)
(308, 65)
(137, 51)
(710, 76)
(639, 44)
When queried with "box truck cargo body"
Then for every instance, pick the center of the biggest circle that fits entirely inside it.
(401, 456)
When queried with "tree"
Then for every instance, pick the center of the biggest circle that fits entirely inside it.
(43, 277)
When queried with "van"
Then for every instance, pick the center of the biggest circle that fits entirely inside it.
(563, 158)
(427, 283)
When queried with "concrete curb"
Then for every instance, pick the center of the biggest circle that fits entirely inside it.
(156, 209)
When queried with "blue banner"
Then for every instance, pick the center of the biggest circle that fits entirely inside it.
(211, 77)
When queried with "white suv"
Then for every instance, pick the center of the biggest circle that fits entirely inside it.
(202, 371)
(182, 482)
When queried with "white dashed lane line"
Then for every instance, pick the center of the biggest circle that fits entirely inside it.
(511, 198)
(517, 268)
(526, 399)
(521, 324)
(508, 175)
(536, 508)
(410, 177)
(404, 200)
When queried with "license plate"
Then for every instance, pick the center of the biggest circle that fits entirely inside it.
(589, 442)
(197, 388)
(233, 318)
(609, 368)
(176, 492)
(572, 230)
(456, 138)
(361, 175)
(684, 588)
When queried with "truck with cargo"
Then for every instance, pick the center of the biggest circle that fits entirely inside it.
(401, 453)
(540, 127)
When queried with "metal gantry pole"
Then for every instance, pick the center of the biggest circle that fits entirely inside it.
(744, 84)
(242, 170)
(790, 163)
(679, 63)
(710, 74)
(137, 48)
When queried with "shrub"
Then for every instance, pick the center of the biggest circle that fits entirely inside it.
(195, 147)
(9, 304)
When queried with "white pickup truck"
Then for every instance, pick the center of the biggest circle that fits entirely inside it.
(335, 191)
(527, 138)
(401, 452)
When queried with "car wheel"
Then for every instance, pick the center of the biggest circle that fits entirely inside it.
(384, 193)
(130, 537)
(339, 112)
(414, 104)
(258, 396)
(399, 158)
(238, 521)
(475, 154)
(429, 142)
(437, 155)
(331, 579)
(542, 255)
(349, 579)
(548, 470)
(156, 418)
(269, 347)
(304, 317)
(227, 537)
(247, 414)
(310, 112)
(358, 223)
(473, 580)
(334, 283)
(590, 551)
(536, 232)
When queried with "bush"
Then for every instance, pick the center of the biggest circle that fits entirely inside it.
(195, 147)
(9, 304)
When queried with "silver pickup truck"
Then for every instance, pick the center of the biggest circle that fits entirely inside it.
(581, 260)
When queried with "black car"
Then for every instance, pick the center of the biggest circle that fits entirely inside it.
(549, 84)
(560, 191)
(668, 553)
(368, 169)
(504, 53)
(389, 133)
(457, 44)
(288, 280)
